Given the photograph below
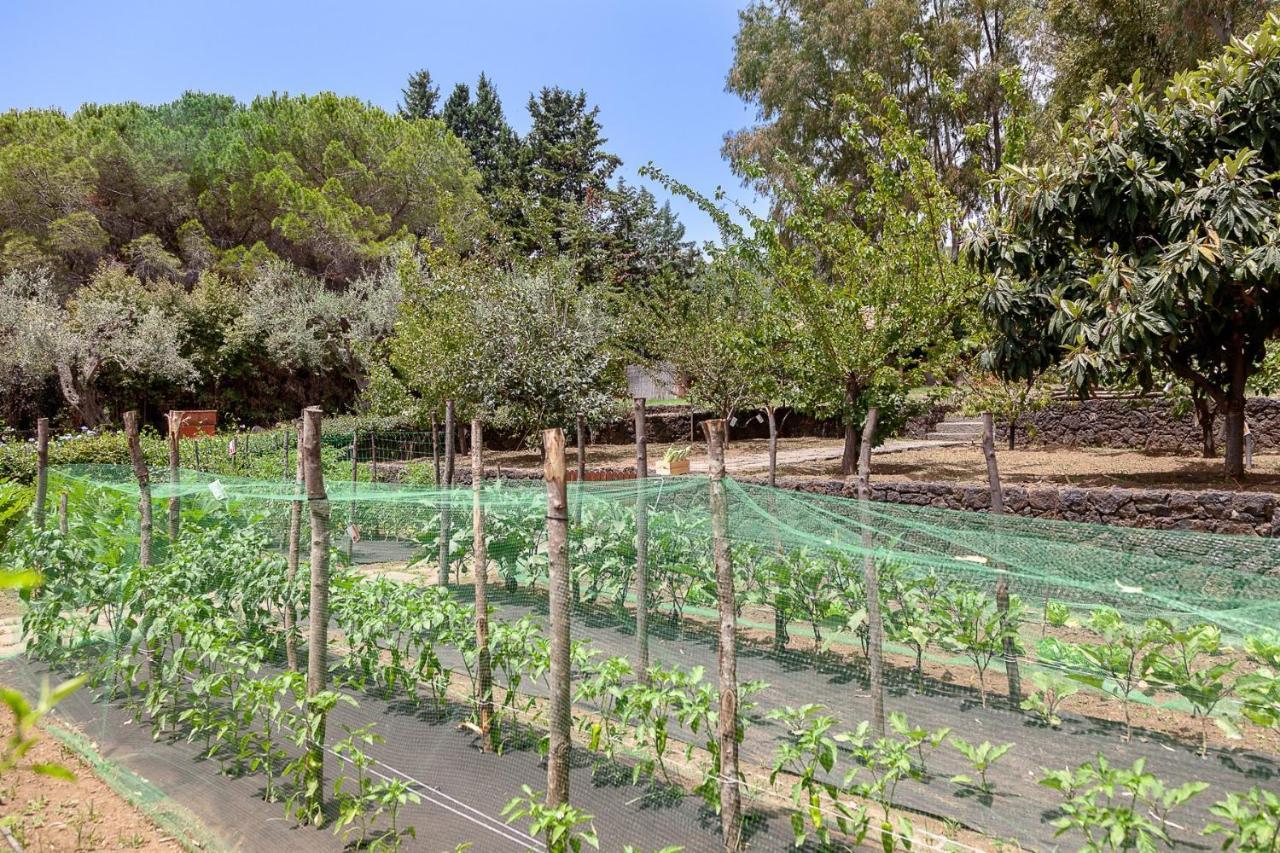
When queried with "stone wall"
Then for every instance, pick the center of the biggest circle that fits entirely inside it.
(1141, 424)
(1252, 513)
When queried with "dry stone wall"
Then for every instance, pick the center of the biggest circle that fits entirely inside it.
(1141, 424)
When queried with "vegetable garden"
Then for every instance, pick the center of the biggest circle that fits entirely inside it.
(1044, 684)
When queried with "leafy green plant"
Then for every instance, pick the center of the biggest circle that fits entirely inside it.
(558, 824)
(1259, 691)
(982, 756)
(1249, 822)
(1181, 668)
(1114, 808)
(975, 627)
(882, 764)
(810, 754)
(1051, 689)
(1122, 662)
(1056, 614)
(917, 738)
(26, 719)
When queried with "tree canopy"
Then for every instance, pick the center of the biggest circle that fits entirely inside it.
(1153, 242)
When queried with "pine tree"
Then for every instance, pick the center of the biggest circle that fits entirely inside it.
(420, 96)
(457, 111)
(491, 140)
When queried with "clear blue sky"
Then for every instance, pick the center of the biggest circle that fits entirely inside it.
(656, 68)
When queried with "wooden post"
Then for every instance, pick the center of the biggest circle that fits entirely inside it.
(62, 513)
(42, 469)
(771, 412)
(871, 577)
(318, 643)
(480, 573)
(727, 651)
(642, 544)
(284, 443)
(291, 563)
(351, 505)
(175, 464)
(197, 444)
(553, 472)
(373, 455)
(1002, 579)
(446, 504)
(144, 531)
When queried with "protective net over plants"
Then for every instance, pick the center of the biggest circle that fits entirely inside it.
(1043, 683)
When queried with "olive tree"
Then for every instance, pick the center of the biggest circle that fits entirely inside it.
(106, 325)
(1151, 244)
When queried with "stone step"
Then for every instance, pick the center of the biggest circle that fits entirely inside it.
(954, 437)
(959, 428)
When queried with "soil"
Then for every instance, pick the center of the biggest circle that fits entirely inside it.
(44, 813)
(1098, 467)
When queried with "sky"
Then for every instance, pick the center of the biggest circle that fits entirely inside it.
(656, 68)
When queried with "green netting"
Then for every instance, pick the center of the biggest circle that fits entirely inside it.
(1130, 644)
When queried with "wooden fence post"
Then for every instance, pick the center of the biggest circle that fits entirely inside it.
(351, 504)
(553, 472)
(175, 463)
(42, 469)
(435, 449)
(62, 513)
(642, 543)
(446, 508)
(1002, 579)
(771, 412)
(727, 651)
(317, 645)
(480, 576)
(143, 477)
(284, 443)
(871, 578)
(291, 563)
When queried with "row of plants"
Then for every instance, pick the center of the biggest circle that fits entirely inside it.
(202, 628)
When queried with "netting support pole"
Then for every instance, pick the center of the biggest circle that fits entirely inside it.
(143, 477)
(553, 472)
(351, 505)
(62, 514)
(1002, 579)
(716, 432)
(580, 436)
(771, 412)
(284, 443)
(480, 576)
(291, 562)
(42, 469)
(642, 544)
(446, 508)
(871, 577)
(318, 616)
(175, 462)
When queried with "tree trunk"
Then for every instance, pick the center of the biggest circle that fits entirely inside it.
(1013, 433)
(1233, 434)
(726, 645)
(291, 564)
(560, 720)
(849, 459)
(871, 578)
(771, 412)
(143, 477)
(351, 505)
(1205, 418)
(1002, 579)
(446, 505)
(42, 470)
(480, 578)
(642, 544)
(318, 615)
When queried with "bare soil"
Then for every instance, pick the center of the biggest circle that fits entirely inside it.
(43, 813)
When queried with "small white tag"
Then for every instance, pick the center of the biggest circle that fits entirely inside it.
(218, 492)
(1132, 590)
(231, 447)
(353, 532)
(973, 558)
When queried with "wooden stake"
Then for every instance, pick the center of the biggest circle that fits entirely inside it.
(435, 449)
(143, 477)
(480, 572)
(771, 412)
(642, 544)
(62, 514)
(871, 578)
(351, 505)
(42, 469)
(580, 435)
(284, 443)
(446, 505)
(318, 643)
(291, 563)
(726, 647)
(553, 472)
(1002, 579)
(175, 463)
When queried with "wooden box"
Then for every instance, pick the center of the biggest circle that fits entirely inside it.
(196, 423)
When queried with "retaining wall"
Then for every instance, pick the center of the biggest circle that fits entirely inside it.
(1141, 424)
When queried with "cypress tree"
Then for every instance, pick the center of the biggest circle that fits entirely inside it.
(420, 96)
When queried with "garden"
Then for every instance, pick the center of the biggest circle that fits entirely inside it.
(1043, 683)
